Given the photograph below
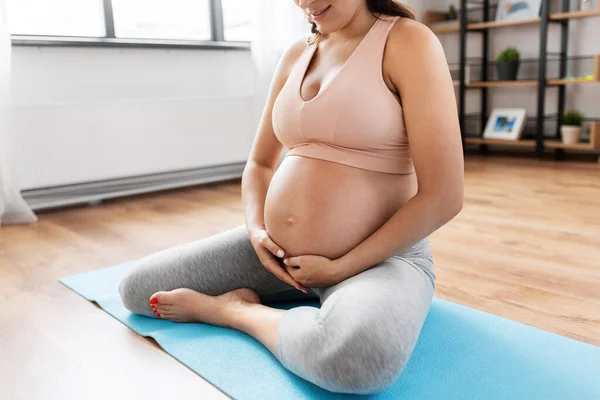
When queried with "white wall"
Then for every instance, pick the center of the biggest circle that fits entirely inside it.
(87, 114)
(583, 40)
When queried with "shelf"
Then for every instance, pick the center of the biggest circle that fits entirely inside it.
(445, 29)
(519, 143)
(570, 81)
(593, 144)
(528, 143)
(555, 144)
(551, 144)
(575, 14)
(595, 76)
(502, 24)
(431, 18)
(475, 26)
(530, 82)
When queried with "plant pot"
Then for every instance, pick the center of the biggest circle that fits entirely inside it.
(507, 71)
(570, 134)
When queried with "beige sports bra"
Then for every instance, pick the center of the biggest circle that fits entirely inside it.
(354, 120)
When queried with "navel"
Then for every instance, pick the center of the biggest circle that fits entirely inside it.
(290, 220)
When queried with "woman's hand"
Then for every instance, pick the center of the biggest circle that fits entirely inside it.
(266, 250)
(313, 271)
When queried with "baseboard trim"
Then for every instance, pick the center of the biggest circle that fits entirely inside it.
(95, 192)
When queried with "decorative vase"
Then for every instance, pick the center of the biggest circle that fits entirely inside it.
(507, 70)
(570, 134)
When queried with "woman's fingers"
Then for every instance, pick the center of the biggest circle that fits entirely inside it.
(270, 245)
(266, 249)
(273, 266)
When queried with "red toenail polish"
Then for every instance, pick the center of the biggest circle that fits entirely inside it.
(152, 305)
(153, 300)
(158, 315)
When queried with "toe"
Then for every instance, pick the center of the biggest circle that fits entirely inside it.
(158, 298)
(161, 309)
(171, 317)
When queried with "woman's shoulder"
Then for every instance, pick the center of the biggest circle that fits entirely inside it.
(292, 54)
(410, 35)
(414, 41)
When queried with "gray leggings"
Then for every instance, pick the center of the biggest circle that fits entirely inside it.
(358, 341)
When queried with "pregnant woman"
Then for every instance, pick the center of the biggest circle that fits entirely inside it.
(367, 110)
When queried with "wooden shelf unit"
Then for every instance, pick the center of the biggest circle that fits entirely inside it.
(576, 81)
(541, 83)
(575, 14)
(534, 82)
(430, 18)
(475, 26)
(501, 142)
(595, 78)
(593, 144)
(529, 82)
(445, 29)
(435, 17)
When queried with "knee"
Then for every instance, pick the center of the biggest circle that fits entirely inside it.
(133, 295)
(360, 363)
(370, 370)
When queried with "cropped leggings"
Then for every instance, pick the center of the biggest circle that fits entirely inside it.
(358, 341)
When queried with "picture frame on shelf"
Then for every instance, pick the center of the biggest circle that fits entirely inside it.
(505, 123)
(514, 10)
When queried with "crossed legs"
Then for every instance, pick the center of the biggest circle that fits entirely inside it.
(358, 341)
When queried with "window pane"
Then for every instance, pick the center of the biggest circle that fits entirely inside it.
(237, 19)
(161, 19)
(56, 17)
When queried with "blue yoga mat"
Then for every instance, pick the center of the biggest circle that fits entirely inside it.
(462, 353)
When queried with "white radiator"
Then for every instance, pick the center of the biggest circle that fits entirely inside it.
(130, 146)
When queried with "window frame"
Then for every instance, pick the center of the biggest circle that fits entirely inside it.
(217, 33)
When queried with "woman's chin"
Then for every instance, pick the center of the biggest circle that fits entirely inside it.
(324, 29)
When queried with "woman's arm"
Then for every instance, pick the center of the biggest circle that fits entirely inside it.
(266, 149)
(259, 170)
(417, 67)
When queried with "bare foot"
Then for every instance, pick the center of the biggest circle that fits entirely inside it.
(186, 305)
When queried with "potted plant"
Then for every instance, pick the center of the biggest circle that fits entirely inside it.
(451, 13)
(507, 64)
(570, 127)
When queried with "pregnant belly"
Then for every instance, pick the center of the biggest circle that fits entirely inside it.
(324, 208)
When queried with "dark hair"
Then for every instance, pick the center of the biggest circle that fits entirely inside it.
(387, 7)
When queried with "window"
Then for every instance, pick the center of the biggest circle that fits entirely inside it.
(160, 19)
(160, 22)
(237, 19)
(56, 17)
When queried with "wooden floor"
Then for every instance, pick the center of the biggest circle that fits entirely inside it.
(526, 246)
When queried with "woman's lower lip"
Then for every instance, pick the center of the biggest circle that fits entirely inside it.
(320, 17)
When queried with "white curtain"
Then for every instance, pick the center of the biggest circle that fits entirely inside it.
(276, 25)
(13, 209)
